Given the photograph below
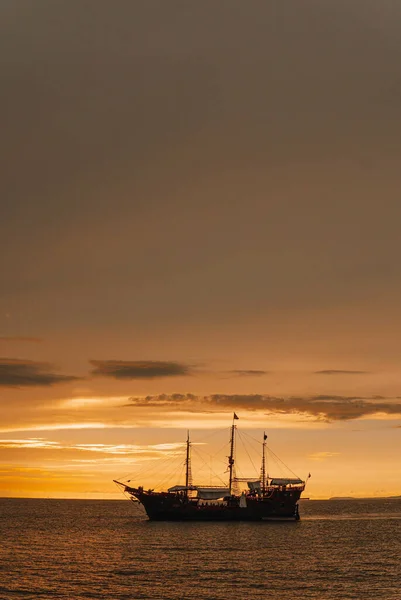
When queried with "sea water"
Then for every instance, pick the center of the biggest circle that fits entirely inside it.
(75, 549)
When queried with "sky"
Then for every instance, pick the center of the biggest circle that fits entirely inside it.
(199, 214)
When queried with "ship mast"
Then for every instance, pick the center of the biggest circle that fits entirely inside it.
(263, 469)
(231, 457)
(188, 474)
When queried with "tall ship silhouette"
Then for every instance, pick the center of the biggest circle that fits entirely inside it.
(266, 498)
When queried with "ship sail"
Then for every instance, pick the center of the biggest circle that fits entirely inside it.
(283, 481)
(254, 486)
(205, 493)
(212, 493)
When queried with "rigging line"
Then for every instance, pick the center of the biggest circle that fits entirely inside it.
(272, 453)
(148, 472)
(258, 442)
(258, 448)
(283, 463)
(278, 462)
(174, 465)
(216, 431)
(172, 472)
(252, 438)
(208, 466)
(224, 447)
(215, 456)
(278, 466)
(146, 469)
(176, 479)
(181, 475)
(153, 465)
(149, 465)
(246, 450)
(123, 477)
(144, 465)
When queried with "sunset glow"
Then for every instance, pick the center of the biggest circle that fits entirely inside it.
(201, 214)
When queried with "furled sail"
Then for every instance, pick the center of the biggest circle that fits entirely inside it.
(254, 486)
(205, 493)
(286, 481)
(211, 493)
(181, 488)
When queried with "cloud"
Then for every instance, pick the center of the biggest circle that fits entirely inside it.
(27, 443)
(322, 455)
(340, 372)
(148, 369)
(86, 450)
(38, 442)
(248, 372)
(27, 373)
(18, 338)
(188, 402)
(323, 407)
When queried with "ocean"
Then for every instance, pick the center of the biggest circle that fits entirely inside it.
(75, 549)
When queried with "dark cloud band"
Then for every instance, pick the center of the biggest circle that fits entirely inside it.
(340, 372)
(125, 369)
(324, 407)
(247, 373)
(27, 373)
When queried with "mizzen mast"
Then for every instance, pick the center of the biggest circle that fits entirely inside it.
(263, 469)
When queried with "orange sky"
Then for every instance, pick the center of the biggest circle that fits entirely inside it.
(199, 214)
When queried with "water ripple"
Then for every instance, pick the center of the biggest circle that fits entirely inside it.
(339, 550)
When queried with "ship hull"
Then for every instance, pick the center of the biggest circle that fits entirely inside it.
(167, 507)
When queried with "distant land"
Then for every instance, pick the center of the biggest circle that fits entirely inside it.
(345, 498)
(367, 498)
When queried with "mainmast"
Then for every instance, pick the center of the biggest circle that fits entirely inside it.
(188, 474)
(231, 457)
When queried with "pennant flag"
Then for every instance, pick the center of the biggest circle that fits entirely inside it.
(235, 416)
(265, 437)
(309, 475)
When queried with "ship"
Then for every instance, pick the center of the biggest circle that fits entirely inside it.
(264, 499)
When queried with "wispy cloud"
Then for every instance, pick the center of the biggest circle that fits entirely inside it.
(27, 373)
(147, 369)
(18, 338)
(107, 449)
(28, 443)
(322, 455)
(340, 372)
(247, 372)
(323, 407)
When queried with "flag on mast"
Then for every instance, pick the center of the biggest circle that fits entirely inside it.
(264, 436)
(235, 416)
